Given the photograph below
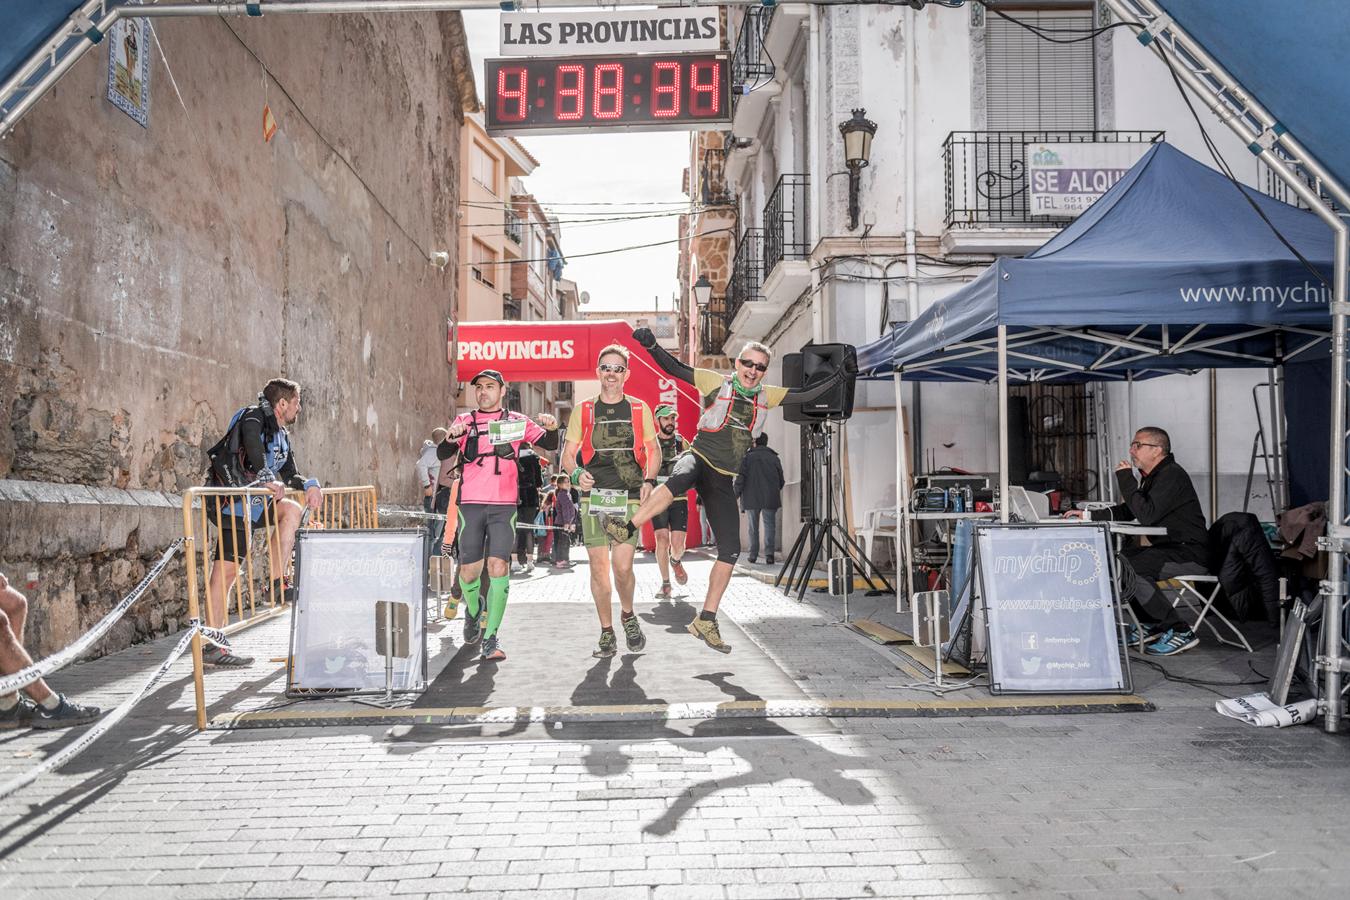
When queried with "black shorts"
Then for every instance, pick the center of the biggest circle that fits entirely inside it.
(675, 517)
(716, 491)
(232, 541)
(486, 529)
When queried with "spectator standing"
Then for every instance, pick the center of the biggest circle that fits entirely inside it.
(531, 479)
(759, 485)
(565, 517)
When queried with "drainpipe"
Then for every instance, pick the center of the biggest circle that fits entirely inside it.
(816, 191)
(911, 205)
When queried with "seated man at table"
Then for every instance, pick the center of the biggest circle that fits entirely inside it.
(1165, 497)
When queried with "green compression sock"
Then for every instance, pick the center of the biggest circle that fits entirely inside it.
(496, 602)
(470, 590)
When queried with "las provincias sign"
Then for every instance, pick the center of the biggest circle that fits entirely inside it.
(610, 33)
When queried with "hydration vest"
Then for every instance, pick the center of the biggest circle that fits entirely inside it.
(588, 425)
(716, 415)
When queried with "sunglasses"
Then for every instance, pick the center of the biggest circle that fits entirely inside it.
(616, 368)
(758, 367)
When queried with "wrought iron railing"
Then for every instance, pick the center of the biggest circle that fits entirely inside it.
(714, 324)
(562, 390)
(510, 308)
(750, 67)
(986, 172)
(515, 227)
(712, 179)
(785, 221)
(747, 273)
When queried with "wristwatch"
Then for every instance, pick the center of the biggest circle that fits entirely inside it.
(651, 481)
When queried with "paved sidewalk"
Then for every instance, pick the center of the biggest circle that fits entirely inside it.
(1175, 802)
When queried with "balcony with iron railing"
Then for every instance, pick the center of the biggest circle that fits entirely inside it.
(511, 308)
(562, 391)
(712, 179)
(514, 227)
(747, 275)
(986, 174)
(785, 222)
(714, 327)
(750, 68)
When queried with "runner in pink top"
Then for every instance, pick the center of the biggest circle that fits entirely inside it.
(488, 439)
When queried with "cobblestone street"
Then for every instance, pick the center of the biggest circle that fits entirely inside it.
(1179, 801)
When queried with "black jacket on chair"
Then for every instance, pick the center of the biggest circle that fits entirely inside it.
(1241, 556)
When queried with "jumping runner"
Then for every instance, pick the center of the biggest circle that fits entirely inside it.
(615, 437)
(488, 439)
(735, 408)
(671, 525)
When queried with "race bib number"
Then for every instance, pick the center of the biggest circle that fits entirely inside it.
(506, 431)
(608, 503)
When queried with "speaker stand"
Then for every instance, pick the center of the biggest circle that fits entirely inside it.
(821, 532)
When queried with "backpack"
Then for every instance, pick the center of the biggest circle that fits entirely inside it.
(227, 463)
(588, 425)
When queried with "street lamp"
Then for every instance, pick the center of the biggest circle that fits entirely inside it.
(702, 291)
(857, 133)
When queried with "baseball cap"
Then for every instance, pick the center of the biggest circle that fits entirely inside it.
(489, 373)
(664, 410)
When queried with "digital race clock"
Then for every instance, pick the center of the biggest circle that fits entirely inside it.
(586, 93)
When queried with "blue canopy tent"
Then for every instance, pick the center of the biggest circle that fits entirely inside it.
(1171, 271)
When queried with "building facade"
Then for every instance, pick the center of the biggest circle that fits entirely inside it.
(155, 276)
(956, 95)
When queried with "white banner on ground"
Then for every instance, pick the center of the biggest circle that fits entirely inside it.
(1063, 180)
(1261, 711)
(610, 33)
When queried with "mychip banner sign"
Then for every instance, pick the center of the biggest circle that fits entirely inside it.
(1065, 179)
(1050, 608)
(610, 33)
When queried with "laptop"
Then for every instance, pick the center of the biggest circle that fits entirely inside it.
(1027, 507)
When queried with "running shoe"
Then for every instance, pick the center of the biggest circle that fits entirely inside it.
(66, 714)
(706, 631)
(665, 592)
(1172, 642)
(18, 716)
(474, 625)
(618, 529)
(1151, 632)
(214, 657)
(632, 633)
(609, 644)
(492, 649)
(678, 568)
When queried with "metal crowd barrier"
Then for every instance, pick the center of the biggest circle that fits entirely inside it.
(342, 507)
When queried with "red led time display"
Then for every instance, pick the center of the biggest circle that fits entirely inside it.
(594, 92)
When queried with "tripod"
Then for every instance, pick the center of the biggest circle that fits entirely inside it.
(821, 532)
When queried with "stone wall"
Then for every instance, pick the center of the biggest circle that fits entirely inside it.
(153, 279)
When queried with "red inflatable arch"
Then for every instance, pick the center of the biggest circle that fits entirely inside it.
(566, 351)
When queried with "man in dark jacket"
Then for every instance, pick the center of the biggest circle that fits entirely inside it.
(1165, 497)
(759, 485)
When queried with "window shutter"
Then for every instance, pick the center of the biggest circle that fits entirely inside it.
(1032, 84)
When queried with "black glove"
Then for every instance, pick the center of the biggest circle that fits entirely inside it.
(644, 337)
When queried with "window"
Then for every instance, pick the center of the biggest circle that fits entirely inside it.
(483, 264)
(484, 169)
(1032, 84)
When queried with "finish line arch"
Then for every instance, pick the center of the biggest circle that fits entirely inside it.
(566, 351)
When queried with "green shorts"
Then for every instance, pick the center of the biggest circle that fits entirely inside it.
(592, 535)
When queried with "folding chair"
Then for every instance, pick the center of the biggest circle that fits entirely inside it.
(878, 523)
(1188, 589)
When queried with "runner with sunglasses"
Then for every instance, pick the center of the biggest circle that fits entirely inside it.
(735, 408)
(615, 438)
